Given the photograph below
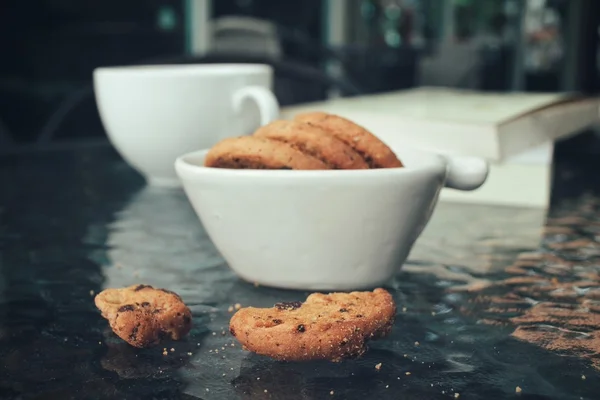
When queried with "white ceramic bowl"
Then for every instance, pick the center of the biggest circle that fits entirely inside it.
(322, 230)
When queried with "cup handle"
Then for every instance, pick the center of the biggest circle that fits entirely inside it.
(266, 101)
(465, 173)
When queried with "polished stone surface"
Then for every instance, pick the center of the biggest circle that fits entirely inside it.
(492, 299)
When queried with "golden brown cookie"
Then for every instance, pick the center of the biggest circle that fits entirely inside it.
(314, 141)
(376, 153)
(251, 152)
(143, 316)
(325, 327)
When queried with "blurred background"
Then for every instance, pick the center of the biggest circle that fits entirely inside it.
(318, 48)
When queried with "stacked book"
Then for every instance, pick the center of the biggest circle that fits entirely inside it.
(515, 132)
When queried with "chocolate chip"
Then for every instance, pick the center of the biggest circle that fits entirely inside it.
(301, 328)
(140, 287)
(145, 304)
(126, 307)
(277, 321)
(289, 305)
(231, 330)
(359, 315)
(134, 332)
(343, 310)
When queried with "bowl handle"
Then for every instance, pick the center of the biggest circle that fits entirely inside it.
(465, 173)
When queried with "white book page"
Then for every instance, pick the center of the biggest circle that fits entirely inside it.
(460, 106)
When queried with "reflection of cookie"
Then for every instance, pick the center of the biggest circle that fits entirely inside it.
(324, 327)
(376, 153)
(143, 316)
(250, 152)
(314, 141)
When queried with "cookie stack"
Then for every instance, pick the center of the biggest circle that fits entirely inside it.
(312, 141)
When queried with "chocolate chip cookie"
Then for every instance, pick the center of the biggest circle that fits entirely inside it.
(376, 153)
(253, 152)
(144, 316)
(331, 327)
(314, 141)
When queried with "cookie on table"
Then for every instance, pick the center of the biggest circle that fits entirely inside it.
(144, 316)
(330, 327)
(314, 141)
(252, 152)
(376, 153)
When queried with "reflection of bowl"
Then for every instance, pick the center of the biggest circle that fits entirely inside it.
(321, 230)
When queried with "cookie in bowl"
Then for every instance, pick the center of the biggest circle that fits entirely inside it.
(315, 141)
(251, 152)
(376, 153)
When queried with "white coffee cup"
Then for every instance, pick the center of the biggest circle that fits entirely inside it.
(153, 114)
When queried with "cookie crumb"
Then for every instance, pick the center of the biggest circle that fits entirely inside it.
(172, 350)
(189, 353)
(237, 306)
(403, 309)
(583, 378)
(387, 386)
(331, 393)
(407, 373)
(99, 342)
(230, 309)
(378, 367)
(92, 292)
(518, 389)
(266, 391)
(433, 313)
(165, 352)
(456, 395)
(417, 343)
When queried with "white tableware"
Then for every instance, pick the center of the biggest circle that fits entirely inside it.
(322, 230)
(153, 114)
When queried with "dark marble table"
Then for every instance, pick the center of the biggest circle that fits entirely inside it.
(493, 300)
